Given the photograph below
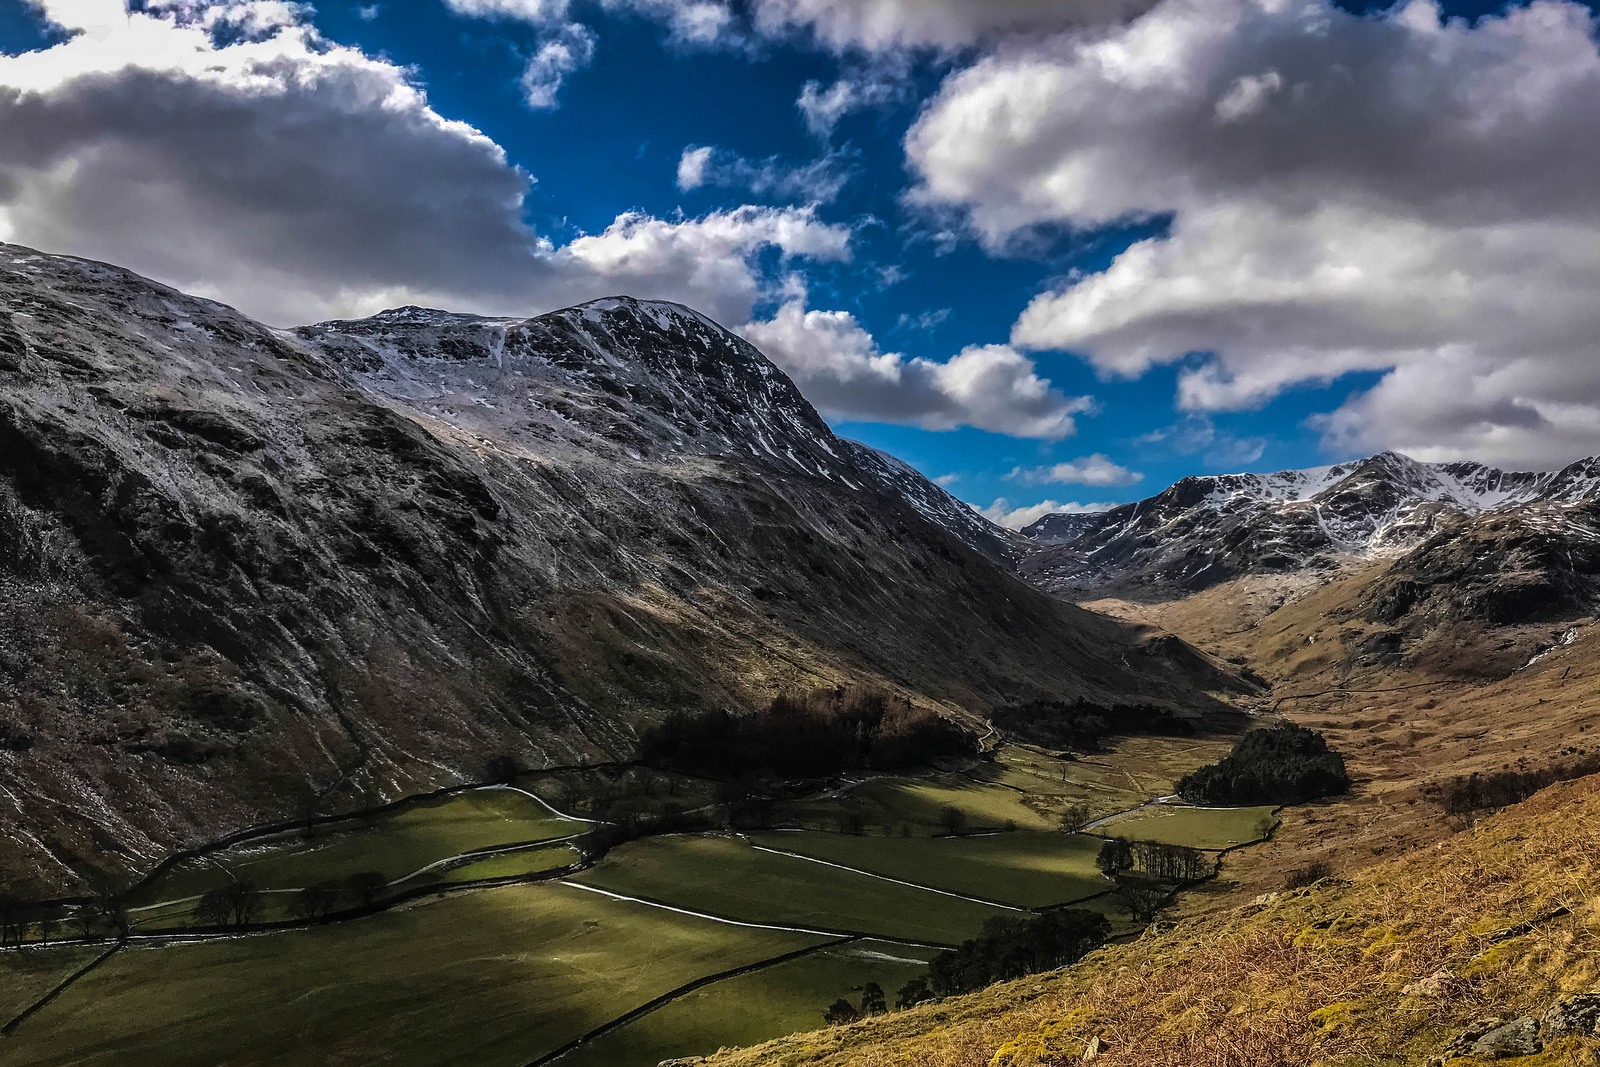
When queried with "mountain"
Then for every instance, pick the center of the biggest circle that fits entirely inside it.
(254, 569)
(645, 377)
(1060, 527)
(1202, 531)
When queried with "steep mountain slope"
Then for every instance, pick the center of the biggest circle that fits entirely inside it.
(1206, 530)
(252, 571)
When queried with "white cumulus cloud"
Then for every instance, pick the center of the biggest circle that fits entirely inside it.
(822, 108)
(886, 25)
(1003, 513)
(839, 366)
(300, 179)
(563, 51)
(1392, 192)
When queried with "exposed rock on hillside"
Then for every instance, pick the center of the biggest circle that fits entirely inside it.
(251, 570)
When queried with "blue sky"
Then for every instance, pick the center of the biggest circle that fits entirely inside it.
(917, 248)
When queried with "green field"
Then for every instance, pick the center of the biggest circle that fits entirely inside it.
(495, 977)
(26, 975)
(505, 975)
(396, 844)
(746, 1010)
(1208, 828)
(1026, 870)
(514, 864)
(1029, 770)
(1022, 788)
(726, 876)
(916, 806)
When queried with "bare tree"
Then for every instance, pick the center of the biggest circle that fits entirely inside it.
(106, 914)
(952, 821)
(16, 916)
(315, 902)
(1141, 898)
(367, 887)
(236, 904)
(1074, 815)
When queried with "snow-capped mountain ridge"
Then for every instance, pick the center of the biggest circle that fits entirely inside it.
(1205, 529)
(643, 377)
(1472, 486)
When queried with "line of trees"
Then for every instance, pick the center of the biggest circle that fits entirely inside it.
(807, 735)
(240, 903)
(1147, 873)
(24, 917)
(20, 916)
(1484, 790)
(1082, 724)
(1285, 764)
(1153, 859)
(1007, 948)
(1012, 947)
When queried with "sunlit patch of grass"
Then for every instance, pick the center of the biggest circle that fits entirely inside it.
(728, 877)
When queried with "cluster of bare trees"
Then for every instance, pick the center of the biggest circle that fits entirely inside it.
(1484, 790)
(237, 904)
(25, 918)
(1147, 872)
(241, 902)
(20, 917)
(1153, 859)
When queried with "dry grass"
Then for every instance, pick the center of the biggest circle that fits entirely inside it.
(1325, 975)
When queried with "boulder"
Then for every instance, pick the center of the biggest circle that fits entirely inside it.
(1578, 1014)
(1520, 1037)
(1462, 1045)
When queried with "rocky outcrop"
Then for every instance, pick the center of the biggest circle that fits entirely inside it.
(253, 569)
(1495, 1038)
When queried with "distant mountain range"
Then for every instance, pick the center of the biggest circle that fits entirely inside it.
(360, 559)
(1205, 530)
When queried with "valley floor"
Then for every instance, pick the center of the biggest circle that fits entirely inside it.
(497, 939)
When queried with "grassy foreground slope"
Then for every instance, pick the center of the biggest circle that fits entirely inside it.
(1502, 920)
(27, 975)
